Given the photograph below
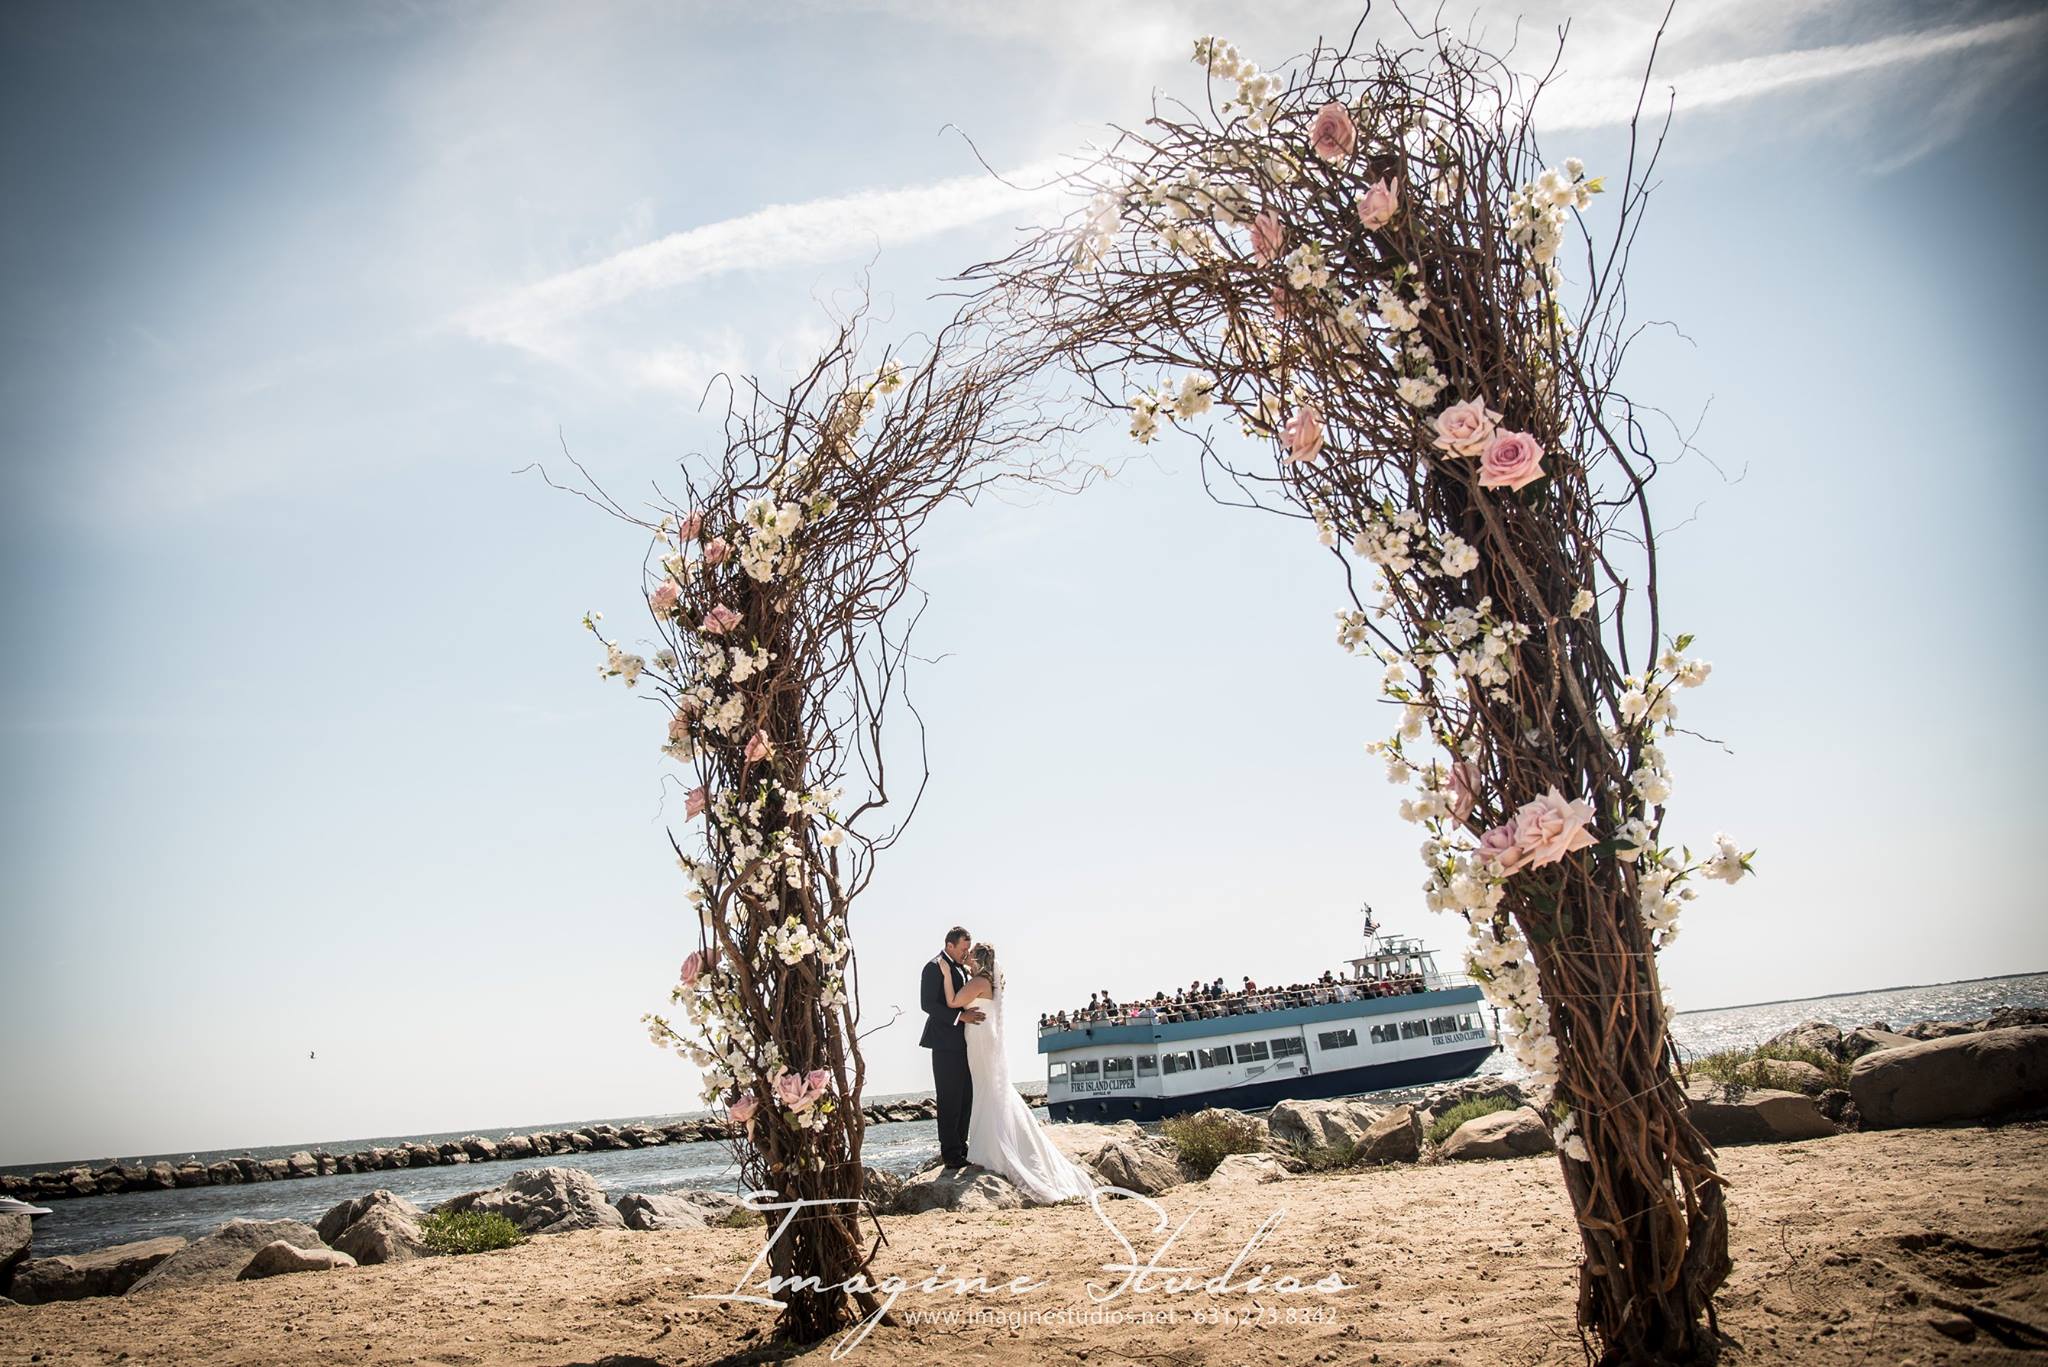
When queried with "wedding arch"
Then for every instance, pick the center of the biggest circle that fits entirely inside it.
(779, 581)
(1365, 261)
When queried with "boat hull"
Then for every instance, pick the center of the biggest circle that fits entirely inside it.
(1258, 1096)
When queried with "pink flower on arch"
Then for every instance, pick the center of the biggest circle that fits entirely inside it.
(664, 599)
(679, 728)
(694, 803)
(1465, 428)
(1268, 237)
(1376, 207)
(693, 966)
(759, 747)
(689, 524)
(1333, 134)
(1303, 435)
(720, 620)
(800, 1091)
(741, 1112)
(1464, 788)
(716, 550)
(1512, 460)
(1498, 845)
(1549, 828)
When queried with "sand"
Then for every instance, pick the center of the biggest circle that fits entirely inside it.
(1844, 1250)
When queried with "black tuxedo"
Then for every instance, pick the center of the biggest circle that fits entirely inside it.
(946, 1037)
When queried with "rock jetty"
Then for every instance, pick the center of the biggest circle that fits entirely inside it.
(85, 1180)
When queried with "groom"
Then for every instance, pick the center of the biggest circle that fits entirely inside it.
(945, 1034)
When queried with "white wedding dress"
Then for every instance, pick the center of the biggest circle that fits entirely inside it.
(1002, 1134)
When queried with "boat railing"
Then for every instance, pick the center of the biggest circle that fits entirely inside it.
(1241, 1004)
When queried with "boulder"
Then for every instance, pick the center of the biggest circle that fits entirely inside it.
(1147, 1168)
(1937, 1029)
(1791, 1074)
(1316, 1124)
(969, 1188)
(1482, 1088)
(880, 1189)
(1247, 1170)
(16, 1233)
(544, 1201)
(102, 1272)
(1818, 1036)
(302, 1164)
(1866, 1039)
(681, 1208)
(1081, 1141)
(1395, 1137)
(2005, 1017)
(221, 1255)
(278, 1258)
(1503, 1134)
(1725, 1113)
(377, 1228)
(1963, 1077)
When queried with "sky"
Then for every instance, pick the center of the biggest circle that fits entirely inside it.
(303, 751)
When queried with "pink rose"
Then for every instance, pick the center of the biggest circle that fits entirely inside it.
(759, 747)
(1465, 428)
(689, 525)
(1268, 236)
(799, 1091)
(1377, 205)
(1499, 845)
(694, 803)
(716, 550)
(678, 728)
(664, 599)
(1464, 788)
(1549, 828)
(692, 966)
(742, 1111)
(1333, 135)
(1512, 460)
(720, 620)
(1303, 435)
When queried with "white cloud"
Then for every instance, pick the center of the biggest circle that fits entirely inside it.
(1600, 101)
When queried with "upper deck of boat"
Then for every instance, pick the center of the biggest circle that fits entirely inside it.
(1143, 1031)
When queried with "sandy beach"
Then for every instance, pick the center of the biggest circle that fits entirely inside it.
(1854, 1249)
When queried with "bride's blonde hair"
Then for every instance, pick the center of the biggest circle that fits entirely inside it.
(985, 962)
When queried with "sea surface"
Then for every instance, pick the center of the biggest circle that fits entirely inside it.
(75, 1225)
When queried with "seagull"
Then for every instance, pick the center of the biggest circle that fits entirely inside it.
(311, 1054)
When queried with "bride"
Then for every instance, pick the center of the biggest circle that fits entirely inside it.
(1002, 1134)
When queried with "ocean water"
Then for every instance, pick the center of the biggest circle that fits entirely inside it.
(74, 1226)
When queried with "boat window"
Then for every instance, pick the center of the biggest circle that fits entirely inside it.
(1414, 1029)
(1183, 1062)
(1056, 1072)
(1386, 1034)
(1116, 1067)
(1085, 1067)
(1443, 1025)
(1287, 1046)
(1468, 1021)
(1148, 1064)
(1337, 1039)
(1254, 1052)
(1218, 1057)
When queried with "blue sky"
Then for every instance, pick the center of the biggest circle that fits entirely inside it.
(303, 749)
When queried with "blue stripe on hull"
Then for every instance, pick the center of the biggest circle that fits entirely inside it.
(1257, 1096)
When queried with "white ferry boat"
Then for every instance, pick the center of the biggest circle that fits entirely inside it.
(1394, 1021)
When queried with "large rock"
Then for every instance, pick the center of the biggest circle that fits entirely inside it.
(1317, 1124)
(1246, 1170)
(1081, 1140)
(1395, 1137)
(1818, 1036)
(102, 1272)
(1503, 1134)
(969, 1188)
(377, 1228)
(880, 1189)
(1791, 1074)
(1868, 1039)
(221, 1255)
(1963, 1077)
(278, 1258)
(1729, 1114)
(544, 1201)
(682, 1208)
(1484, 1087)
(16, 1233)
(1147, 1168)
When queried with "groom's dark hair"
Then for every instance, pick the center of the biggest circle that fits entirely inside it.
(957, 934)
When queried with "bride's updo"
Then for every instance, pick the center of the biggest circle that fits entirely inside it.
(984, 957)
